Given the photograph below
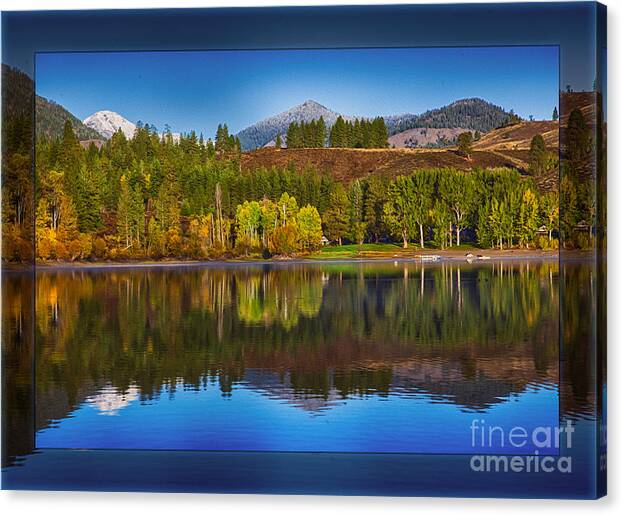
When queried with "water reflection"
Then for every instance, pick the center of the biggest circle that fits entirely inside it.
(389, 342)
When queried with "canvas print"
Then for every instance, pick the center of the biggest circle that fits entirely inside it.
(354, 265)
(317, 255)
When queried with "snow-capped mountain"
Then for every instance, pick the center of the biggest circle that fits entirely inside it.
(107, 123)
(265, 131)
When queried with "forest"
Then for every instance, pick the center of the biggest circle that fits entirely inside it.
(153, 197)
(149, 197)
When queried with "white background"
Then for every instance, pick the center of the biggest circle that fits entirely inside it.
(48, 503)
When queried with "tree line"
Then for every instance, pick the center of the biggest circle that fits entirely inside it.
(358, 133)
(152, 197)
(156, 196)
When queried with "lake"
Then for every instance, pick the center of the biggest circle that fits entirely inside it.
(383, 357)
(335, 357)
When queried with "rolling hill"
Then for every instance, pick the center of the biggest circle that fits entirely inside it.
(469, 113)
(518, 136)
(51, 117)
(350, 164)
(505, 147)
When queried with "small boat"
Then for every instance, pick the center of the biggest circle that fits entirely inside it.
(430, 257)
(482, 258)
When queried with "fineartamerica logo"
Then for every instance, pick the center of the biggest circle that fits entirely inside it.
(541, 438)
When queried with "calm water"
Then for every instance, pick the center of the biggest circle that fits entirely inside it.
(350, 357)
(375, 357)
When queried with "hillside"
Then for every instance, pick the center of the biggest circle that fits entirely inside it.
(424, 137)
(471, 113)
(518, 136)
(17, 92)
(585, 101)
(349, 164)
(51, 118)
(17, 98)
(505, 147)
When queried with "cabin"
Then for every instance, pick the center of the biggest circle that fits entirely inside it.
(583, 226)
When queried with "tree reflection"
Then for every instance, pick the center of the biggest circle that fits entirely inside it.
(467, 334)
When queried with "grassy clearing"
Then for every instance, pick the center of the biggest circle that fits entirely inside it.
(365, 247)
(354, 251)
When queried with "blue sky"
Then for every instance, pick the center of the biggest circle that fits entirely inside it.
(199, 90)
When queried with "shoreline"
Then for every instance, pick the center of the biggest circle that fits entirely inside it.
(420, 257)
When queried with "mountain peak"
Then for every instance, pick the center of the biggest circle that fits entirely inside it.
(312, 103)
(469, 101)
(261, 133)
(107, 123)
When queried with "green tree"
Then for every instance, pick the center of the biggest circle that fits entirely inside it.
(441, 216)
(269, 219)
(465, 144)
(309, 227)
(399, 208)
(423, 189)
(458, 190)
(375, 197)
(549, 205)
(288, 208)
(578, 138)
(338, 137)
(248, 221)
(337, 217)
(88, 199)
(294, 138)
(320, 133)
(538, 156)
(356, 204)
(130, 216)
(529, 217)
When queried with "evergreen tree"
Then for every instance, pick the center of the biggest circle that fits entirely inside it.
(375, 197)
(578, 139)
(336, 218)
(338, 134)
(465, 142)
(70, 159)
(538, 155)
(356, 208)
(294, 137)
